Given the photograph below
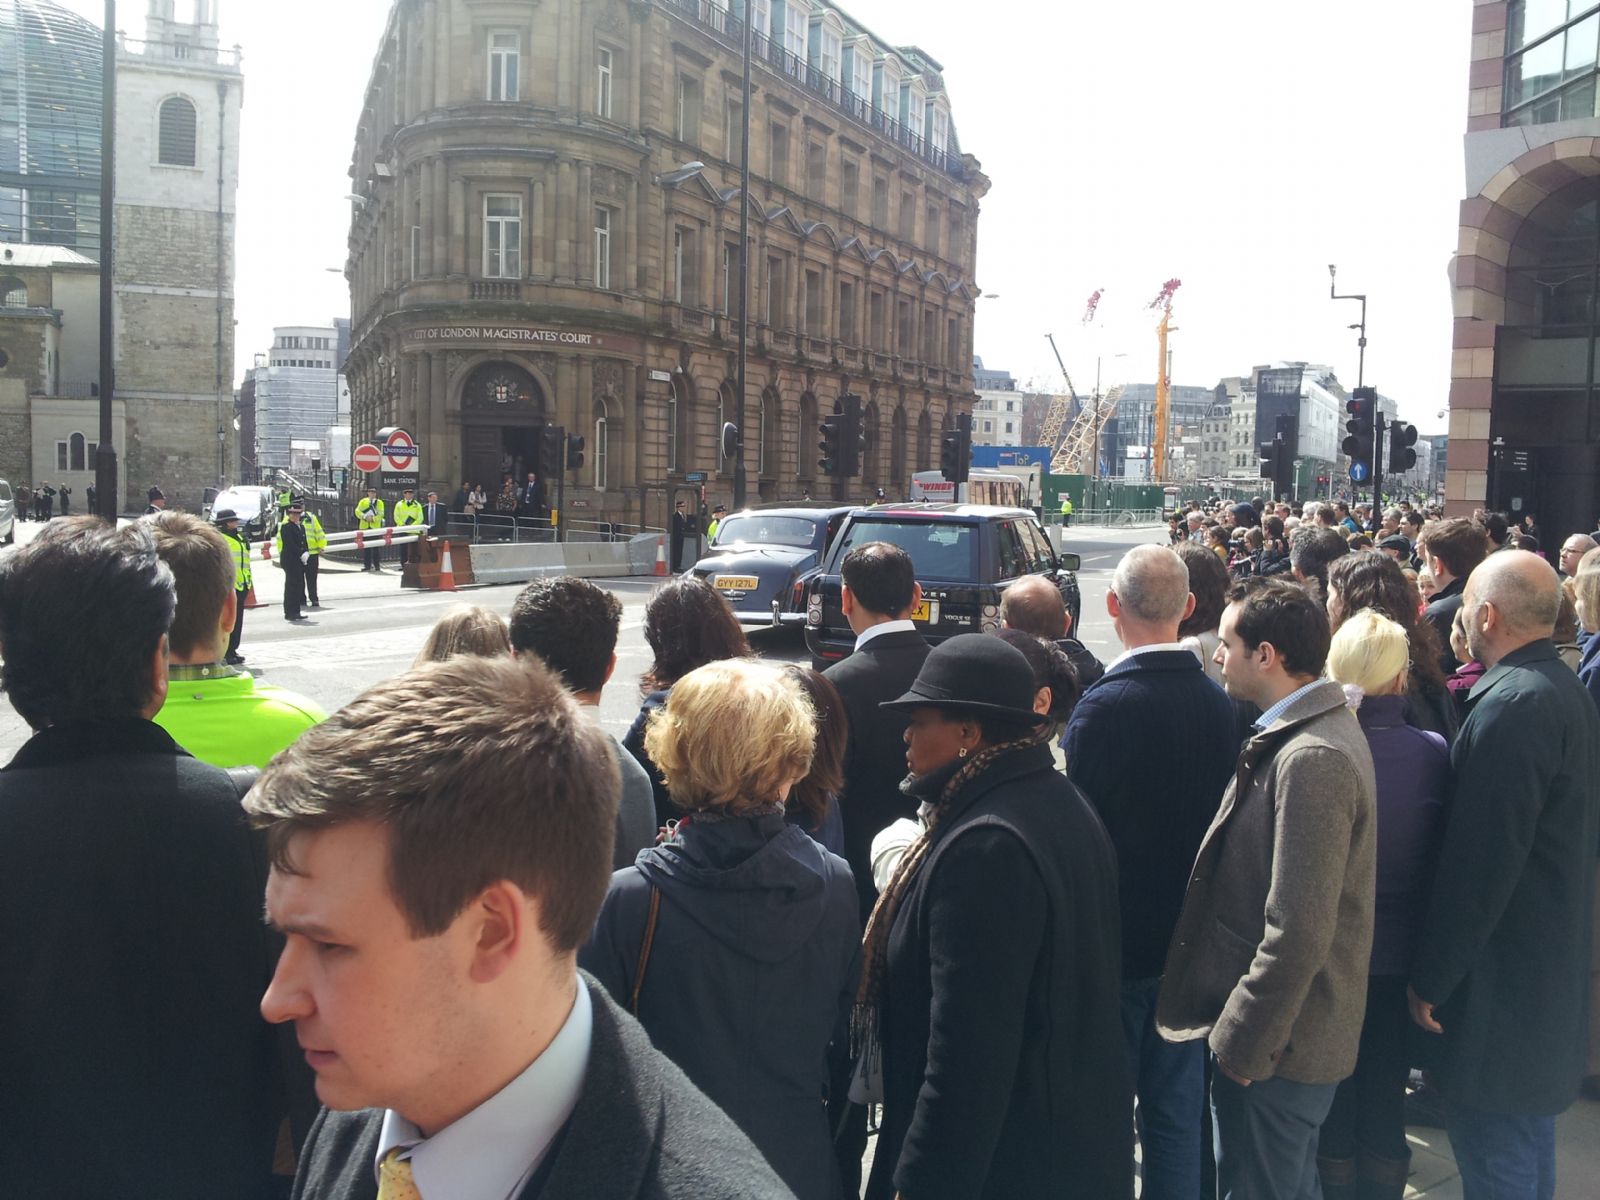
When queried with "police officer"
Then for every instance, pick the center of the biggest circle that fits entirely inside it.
(717, 514)
(158, 501)
(294, 556)
(369, 515)
(1066, 510)
(407, 515)
(316, 543)
(285, 497)
(239, 549)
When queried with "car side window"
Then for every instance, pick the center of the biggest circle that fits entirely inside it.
(1044, 557)
(1013, 558)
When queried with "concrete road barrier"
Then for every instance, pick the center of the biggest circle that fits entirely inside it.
(520, 562)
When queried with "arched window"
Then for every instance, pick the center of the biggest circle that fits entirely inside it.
(13, 293)
(806, 443)
(76, 447)
(767, 436)
(871, 445)
(600, 448)
(897, 447)
(178, 133)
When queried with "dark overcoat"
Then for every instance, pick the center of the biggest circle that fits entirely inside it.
(1504, 954)
(640, 1131)
(1005, 1068)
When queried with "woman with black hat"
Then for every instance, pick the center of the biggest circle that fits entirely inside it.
(988, 1018)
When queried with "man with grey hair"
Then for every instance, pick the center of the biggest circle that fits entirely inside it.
(1156, 808)
(1502, 968)
(1572, 552)
(1312, 550)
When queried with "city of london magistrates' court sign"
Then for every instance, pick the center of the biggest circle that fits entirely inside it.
(517, 336)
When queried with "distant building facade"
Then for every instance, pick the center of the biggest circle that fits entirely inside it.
(1130, 431)
(525, 249)
(178, 100)
(296, 392)
(997, 410)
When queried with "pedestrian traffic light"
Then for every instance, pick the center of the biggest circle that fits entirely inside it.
(1358, 447)
(574, 452)
(552, 451)
(832, 427)
(955, 451)
(1402, 457)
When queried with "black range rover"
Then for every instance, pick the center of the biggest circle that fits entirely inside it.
(965, 556)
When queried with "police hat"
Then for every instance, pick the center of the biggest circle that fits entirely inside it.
(297, 507)
(224, 516)
(155, 494)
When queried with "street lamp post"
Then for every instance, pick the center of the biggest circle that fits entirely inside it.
(105, 458)
(744, 268)
(1361, 369)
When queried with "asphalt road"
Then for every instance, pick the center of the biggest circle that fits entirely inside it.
(370, 630)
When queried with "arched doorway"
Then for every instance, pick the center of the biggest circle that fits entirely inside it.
(502, 410)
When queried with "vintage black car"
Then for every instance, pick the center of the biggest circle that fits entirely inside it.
(762, 558)
(965, 556)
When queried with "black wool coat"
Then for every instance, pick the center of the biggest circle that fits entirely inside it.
(1504, 954)
(875, 758)
(641, 1131)
(1005, 1068)
(134, 1060)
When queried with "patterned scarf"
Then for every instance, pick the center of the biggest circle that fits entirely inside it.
(864, 1016)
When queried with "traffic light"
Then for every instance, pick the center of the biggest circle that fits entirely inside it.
(552, 451)
(832, 429)
(955, 451)
(852, 435)
(574, 452)
(1402, 457)
(730, 441)
(1358, 447)
(1267, 452)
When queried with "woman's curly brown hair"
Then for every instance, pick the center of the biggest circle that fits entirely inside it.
(688, 624)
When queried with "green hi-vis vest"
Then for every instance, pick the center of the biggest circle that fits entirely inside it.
(369, 513)
(407, 512)
(234, 721)
(239, 547)
(316, 536)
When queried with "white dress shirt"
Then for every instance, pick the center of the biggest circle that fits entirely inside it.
(1152, 648)
(866, 635)
(492, 1151)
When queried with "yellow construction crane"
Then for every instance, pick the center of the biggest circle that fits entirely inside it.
(1158, 438)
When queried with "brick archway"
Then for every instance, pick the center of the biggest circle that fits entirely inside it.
(1490, 224)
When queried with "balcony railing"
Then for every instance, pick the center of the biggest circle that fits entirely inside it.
(729, 29)
(496, 289)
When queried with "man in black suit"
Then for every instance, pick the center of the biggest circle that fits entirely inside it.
(682, 526)
(1502, 966)
(1156, 809)
(430, 959)
(434, 515)
(136, 1062)
(880, 592)
(1454, 549)
(532, 497)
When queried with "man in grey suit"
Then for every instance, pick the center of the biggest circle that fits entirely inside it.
(440, 849)
(1269, 959)
(1503, 963)
(572, 626)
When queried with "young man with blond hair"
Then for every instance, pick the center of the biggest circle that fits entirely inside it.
(440, 848)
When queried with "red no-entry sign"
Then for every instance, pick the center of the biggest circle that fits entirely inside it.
(367, 458)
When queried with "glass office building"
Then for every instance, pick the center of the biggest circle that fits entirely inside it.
(49, 126)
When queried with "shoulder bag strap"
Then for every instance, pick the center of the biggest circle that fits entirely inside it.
(644, 948)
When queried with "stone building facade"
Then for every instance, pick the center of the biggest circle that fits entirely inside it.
(177, 149)
(526, 248)
(1524, 430)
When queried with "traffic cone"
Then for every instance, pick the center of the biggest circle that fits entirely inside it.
(661, 556)
(447, 574)
(266, 550)
(250, 600)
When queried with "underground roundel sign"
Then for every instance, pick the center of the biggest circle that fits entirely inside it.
(399, 450)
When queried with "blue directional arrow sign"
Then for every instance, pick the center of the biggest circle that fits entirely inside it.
(1359, 472)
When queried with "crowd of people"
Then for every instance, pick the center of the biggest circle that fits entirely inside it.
(978, 914)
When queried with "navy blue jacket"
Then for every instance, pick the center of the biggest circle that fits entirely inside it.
(1152, 746)
(753, 969)
(1589, 666)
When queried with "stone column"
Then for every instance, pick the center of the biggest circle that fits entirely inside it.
(631, 223)
(635, 71)
(459, 250)
(584, 206)
(539, 257)
(565, 232)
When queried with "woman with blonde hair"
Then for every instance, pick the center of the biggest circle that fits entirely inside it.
(736, 941)
(1362, 1148)
(466, 629)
